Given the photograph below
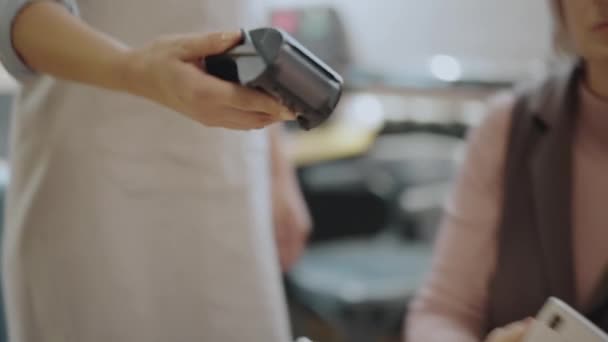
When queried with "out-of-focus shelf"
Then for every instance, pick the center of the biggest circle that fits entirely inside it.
(454, 92)
(365, 113)
(330, 142)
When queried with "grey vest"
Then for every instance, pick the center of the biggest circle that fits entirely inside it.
(535, 258)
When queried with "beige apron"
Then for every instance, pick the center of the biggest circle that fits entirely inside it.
(129, 223)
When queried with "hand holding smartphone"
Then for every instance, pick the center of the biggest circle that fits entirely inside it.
(558, 322)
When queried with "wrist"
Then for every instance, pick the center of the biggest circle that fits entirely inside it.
(284, 173)
(281, 162)
(125, 70)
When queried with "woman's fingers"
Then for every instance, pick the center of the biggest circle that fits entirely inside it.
(237, 119)
(239, 97)
(164, 72)
(197, 46)
(514, 332)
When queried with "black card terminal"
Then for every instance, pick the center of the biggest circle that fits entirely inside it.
(272, 61)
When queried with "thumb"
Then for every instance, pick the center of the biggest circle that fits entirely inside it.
(514, 332)
(199, 46)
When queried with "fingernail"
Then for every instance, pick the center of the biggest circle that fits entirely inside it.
(287, 115)
(230, 35)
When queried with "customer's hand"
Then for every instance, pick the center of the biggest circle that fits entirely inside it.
(168, 72)
(514, 332)
(291, 220)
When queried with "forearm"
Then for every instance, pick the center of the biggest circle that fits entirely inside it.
(280, 163)
(53, 41)
(452, 301)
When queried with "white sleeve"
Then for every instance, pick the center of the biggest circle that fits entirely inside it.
(11, 60)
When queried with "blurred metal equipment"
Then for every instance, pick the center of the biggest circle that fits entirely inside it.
(424, 165)
(4, 179)
(340, 200)
(399, 183)
(360, 286)
(375, 219)
(8, 93)
(318, 28)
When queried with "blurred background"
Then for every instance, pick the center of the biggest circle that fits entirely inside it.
(375, 177)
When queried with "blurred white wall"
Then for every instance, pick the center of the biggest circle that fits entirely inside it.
(492, 38)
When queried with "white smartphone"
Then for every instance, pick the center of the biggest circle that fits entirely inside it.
(557, 321)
